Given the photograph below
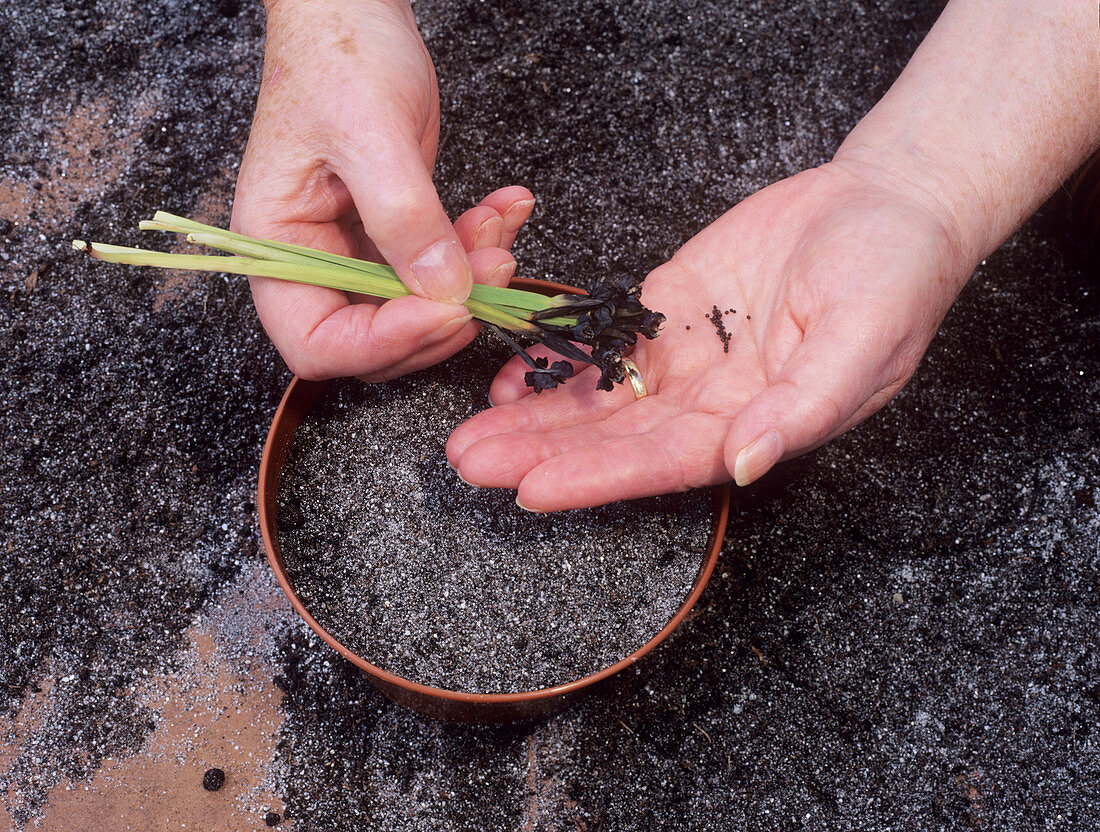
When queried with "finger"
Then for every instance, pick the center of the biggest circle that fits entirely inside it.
(684, 452)
(576, 402)
(320, 335)
(496, 220)
(514, 204)
(501, 460)
(402, 215)
(827, 379)
(876, 401)
(509, 384)
(427, 356)
(492, 267)
(480, 227)
(364, 246)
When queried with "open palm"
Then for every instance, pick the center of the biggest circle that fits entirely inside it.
(829, 288)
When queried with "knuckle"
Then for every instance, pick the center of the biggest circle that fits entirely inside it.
(813, 412)
(395, 213)
(825, 411)
(303, 368)
(307, 359)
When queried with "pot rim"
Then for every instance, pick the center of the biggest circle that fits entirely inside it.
(268, 529)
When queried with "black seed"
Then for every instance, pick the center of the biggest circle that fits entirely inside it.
(715, 317)
(213, 780)
(272, 818)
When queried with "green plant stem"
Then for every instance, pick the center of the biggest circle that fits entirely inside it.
(493, 315)
(317, 274)
(232, 242)
(504, 307)
(263, 251)
(525, 313)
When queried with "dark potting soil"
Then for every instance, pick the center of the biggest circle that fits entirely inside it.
(455, 586)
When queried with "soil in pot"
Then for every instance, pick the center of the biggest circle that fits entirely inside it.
(454, 586)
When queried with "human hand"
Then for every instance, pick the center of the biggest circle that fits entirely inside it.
(838, 283)
(845, 270)
(340, 158)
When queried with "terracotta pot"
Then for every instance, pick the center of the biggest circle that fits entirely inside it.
(449, 705)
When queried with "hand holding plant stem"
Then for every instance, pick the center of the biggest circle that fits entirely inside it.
(339, 158)
(839, 275)
(606, 322)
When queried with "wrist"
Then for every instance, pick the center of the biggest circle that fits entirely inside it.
(330, 30)
(912, 179)
(324, 7)
(997, 106)
(919, 178)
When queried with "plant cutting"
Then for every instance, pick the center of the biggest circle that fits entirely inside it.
(590, 329)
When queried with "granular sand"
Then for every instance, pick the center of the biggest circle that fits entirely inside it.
(455, 586)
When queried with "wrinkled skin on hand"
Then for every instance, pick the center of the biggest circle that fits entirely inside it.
(340, 158)
(839, 285)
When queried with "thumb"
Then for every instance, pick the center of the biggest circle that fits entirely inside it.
(821, 391)
(401, 213)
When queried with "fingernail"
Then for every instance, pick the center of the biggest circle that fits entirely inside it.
(503, 273)
(443, 273)
(525, 508)
(757, 458)
(492, 228)
(459, 475)
(491, 402)
(442, 333)
(518, 209)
